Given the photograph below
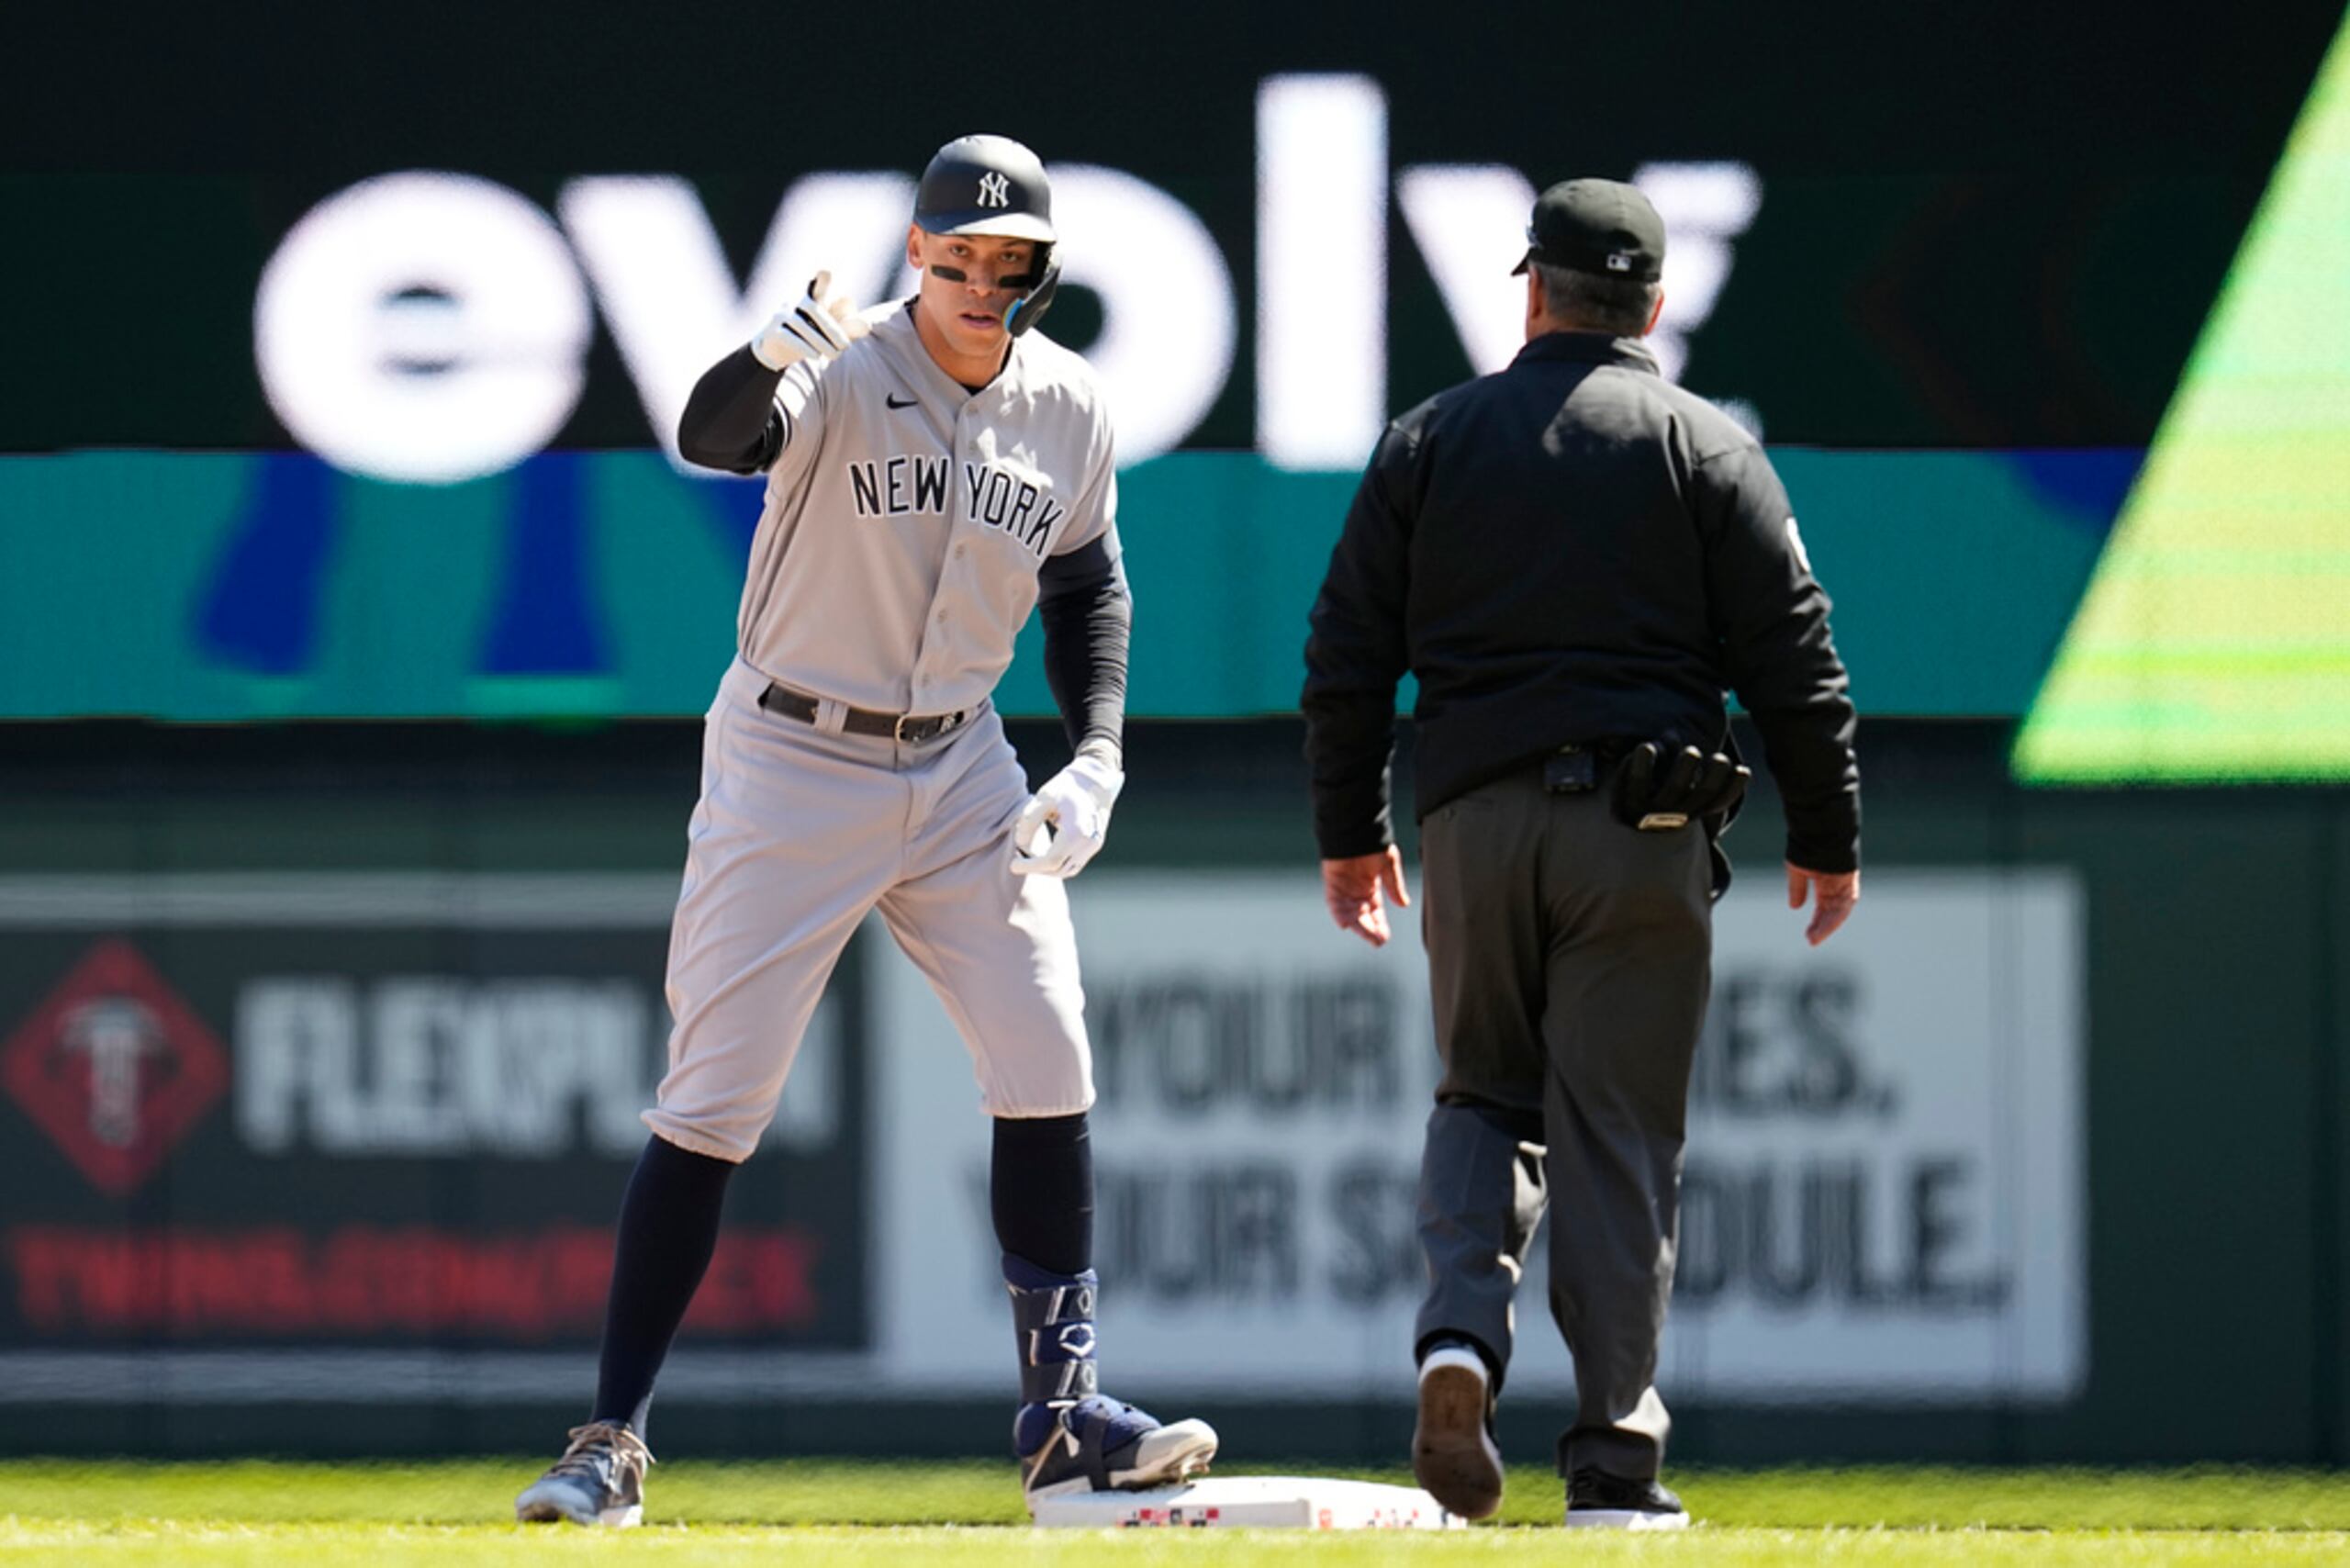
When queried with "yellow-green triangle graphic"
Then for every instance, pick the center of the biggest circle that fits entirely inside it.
(2213, 643)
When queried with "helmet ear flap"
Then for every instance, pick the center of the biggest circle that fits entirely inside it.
(1038, 299)
(1030, 308)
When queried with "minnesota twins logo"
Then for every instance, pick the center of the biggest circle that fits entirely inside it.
(994, 191)
(115, 1067)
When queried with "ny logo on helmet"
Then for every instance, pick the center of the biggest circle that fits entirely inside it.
(994, 191)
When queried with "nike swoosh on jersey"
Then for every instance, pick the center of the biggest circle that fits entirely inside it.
(893, 402)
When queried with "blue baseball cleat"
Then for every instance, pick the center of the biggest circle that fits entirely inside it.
(1096, 1444)
(599, 1480)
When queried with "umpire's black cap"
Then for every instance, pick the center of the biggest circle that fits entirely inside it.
(1596, 226)
(986, 184)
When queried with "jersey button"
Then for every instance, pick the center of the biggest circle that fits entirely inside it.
(961, 551)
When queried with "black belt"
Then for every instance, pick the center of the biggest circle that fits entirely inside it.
(911, 729)
(1606, 752)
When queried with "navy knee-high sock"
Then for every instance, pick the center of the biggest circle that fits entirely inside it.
(668, 1230)
(1040, 1190)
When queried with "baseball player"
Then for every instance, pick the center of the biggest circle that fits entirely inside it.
(935, 470)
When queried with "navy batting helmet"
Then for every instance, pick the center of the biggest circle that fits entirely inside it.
(992, 184)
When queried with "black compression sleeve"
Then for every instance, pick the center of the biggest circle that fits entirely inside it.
(731, 421)
(1088, 620)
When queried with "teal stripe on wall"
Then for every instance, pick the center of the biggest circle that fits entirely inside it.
(146, 583)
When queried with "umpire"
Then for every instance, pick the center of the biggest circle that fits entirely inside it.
(1574, 558)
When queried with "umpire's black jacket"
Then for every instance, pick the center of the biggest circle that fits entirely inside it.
(1571, 550)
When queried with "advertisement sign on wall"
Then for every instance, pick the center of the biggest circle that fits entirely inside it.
(334, 1136)
(1882, 1198)
(309, 1119)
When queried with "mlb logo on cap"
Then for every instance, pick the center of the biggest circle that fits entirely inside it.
(1596, 226)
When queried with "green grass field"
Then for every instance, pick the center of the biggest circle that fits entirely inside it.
(809, 1512)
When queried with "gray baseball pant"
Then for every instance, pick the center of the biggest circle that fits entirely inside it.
(1569, 963)
(802, 830)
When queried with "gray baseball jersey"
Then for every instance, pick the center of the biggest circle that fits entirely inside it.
(906, 517)
(896, 559)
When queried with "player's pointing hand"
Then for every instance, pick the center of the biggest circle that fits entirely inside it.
(818, 328)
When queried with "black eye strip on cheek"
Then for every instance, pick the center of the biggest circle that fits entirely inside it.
(952, 274)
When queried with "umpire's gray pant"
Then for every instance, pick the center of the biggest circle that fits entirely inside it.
(1569, 961)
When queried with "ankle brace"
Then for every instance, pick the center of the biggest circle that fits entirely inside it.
(1052, 1321)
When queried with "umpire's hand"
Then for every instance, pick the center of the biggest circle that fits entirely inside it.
(1352, 887)
(1837, 892)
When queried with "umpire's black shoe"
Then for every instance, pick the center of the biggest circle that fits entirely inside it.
(1453, 1453)
(1598, 1500)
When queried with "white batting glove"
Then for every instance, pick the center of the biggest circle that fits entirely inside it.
(1075, 805)
(818, 328)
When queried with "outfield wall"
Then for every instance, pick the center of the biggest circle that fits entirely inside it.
(322, 1050)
